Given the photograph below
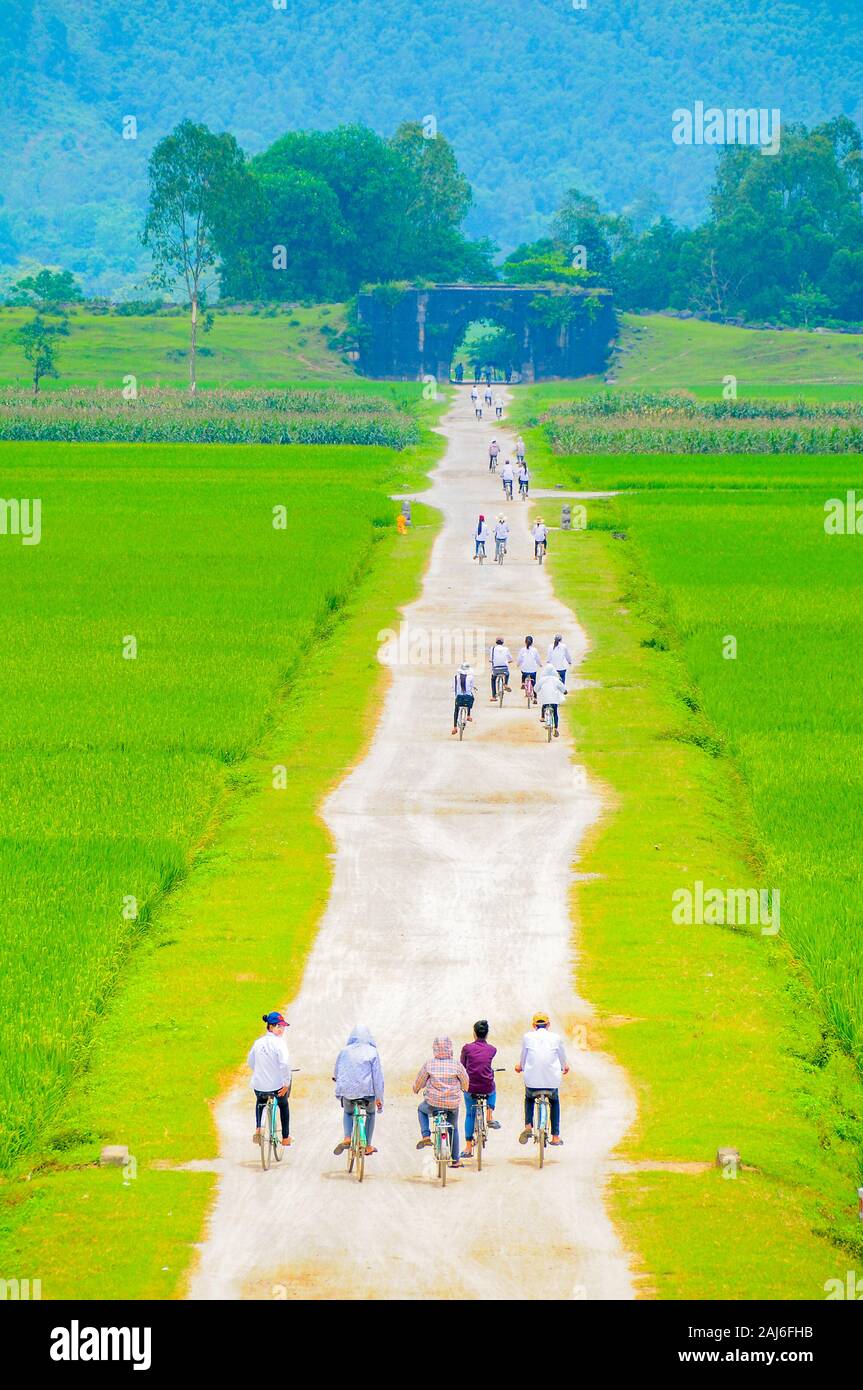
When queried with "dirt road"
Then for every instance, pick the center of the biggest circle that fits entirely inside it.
(450, 902)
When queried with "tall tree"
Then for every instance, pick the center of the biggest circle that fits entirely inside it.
(37, 340)
(194, 175)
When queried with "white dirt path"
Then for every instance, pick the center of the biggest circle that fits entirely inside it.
(450, 902)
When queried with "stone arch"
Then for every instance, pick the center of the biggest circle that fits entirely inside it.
(409, 332)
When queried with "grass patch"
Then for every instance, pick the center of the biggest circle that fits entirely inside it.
(243, 349)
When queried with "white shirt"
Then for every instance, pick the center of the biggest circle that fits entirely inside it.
(523, 474)
(500, 656)
(506, 472)
(498, 400)
(482, 531)
(559, 656)
(550, 689)
(493, 450)
(527, 660)
(469, 683)
(540, 532)
(519, 445)
(474, 395)
(270, 1062)
(501, 531)
(542, 1059)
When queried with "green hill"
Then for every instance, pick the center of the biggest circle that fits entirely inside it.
(534, 98)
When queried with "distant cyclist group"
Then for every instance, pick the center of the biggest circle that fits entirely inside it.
(491, 399)
(543, 682)
(359, 1083)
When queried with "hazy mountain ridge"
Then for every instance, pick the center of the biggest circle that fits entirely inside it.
(534, 98)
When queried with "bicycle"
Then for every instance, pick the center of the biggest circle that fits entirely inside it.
(271, 1143)
(480, 1125)
(539, 549)
(507, 489)
(542, 1123)
(522, 491)
(500, 680)
(548, 721)
(480, 552)
(492, 463)
(528, 691)
(499, 551)
(441, 1143)
(461, 721)
(359, 1142)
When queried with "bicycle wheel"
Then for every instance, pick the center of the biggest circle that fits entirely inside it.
(478, 1138)
(462, 721)
(528, 692)
(501, 690)
(541, 1142)
(265, 1135)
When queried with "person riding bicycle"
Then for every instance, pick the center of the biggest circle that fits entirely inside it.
(270, 1062)
(359, 1081)
(501, 533)
(542, 1063)
(540, 536)
(474, 394)
(501, 660)
(488, 395)
(528, 663)
(476, 1058)
(464, 686)
(480, 536)
(549, 691)
(498, 406)
(519, 449)
(441, 1080)
(560, 657)
(507, 476)
(523, 479)
(493, 451)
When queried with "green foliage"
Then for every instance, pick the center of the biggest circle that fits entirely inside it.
(36, 339)
(48, 291)
(216, 417)
(321, 212)
(611, 422)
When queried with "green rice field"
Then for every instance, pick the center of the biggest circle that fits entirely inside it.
(144, 639)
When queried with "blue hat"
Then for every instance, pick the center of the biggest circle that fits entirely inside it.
(274, 1018)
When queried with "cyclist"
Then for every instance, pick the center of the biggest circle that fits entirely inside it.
(270, 1062)
(474, 395)
(480, 536)
(560, 657)
(488, 395)
(507, 476)
(542, 1063)
(493, 451)
(540, 537)
(464, 686)
(523, 480)
(498, 406)
(501, 660)
(441, 1080)
(528, 663)
(550, 690)
(359, 1081)
(501, 533)
(476, 1058)
(519, 449)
